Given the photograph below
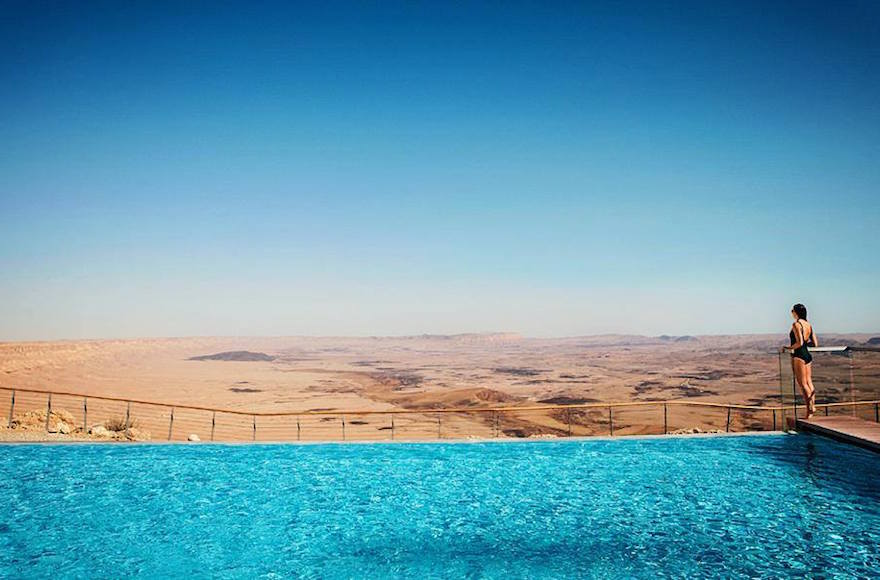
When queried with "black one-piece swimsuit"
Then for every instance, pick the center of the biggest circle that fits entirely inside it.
(802, 352)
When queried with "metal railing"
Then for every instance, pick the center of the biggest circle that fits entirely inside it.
(45, 410)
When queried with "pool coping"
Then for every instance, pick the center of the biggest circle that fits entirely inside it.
(518, 440)
(849, 434)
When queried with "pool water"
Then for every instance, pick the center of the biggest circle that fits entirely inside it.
(759, 506)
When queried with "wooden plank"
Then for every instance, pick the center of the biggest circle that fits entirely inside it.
(847, 429)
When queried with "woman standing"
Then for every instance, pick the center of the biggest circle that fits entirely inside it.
(802, 336)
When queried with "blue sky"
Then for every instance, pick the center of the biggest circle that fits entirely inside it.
(399, 168)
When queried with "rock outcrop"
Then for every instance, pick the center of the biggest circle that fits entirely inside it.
(100, 431)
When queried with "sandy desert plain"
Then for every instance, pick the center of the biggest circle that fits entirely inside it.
(405, 379)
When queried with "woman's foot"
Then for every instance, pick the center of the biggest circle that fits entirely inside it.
(811, 404)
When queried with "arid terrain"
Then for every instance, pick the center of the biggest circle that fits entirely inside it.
(422, 373)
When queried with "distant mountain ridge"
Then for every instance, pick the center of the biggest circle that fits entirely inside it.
(467, 337)
(236, 355)
(685, 338)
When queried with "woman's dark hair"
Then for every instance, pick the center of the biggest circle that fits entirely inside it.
(800, 310)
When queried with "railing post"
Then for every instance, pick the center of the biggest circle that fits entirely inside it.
(852, 385)
(495, 414)
(48, 412)
(128, 416)
(12, 408)
(774, 419)
(568, 420)
(876, 413)
(610, 421)
(826, 410)
(213, 423)
(343, 427)
(254, 438)
(727, 429)
(665, 422)
(171, 424)
(439, 432)
(392, 426)
(85, 414)
(297, 429)
(781, 390)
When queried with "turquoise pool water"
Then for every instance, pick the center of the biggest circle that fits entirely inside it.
(760, 506)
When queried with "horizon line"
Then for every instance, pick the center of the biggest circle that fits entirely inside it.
(512, 334)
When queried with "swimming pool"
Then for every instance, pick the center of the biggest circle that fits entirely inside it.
(767, 505)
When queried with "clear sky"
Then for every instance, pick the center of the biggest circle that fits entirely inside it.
(384, 168)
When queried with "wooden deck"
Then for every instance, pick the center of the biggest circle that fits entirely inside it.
(847, 429)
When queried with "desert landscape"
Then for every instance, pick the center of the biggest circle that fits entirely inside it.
(330, 381)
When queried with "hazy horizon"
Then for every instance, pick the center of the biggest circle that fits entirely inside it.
(399, 169)
(512, 334)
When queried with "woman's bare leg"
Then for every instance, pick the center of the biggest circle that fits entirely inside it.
(800, 375)
(812, 390)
